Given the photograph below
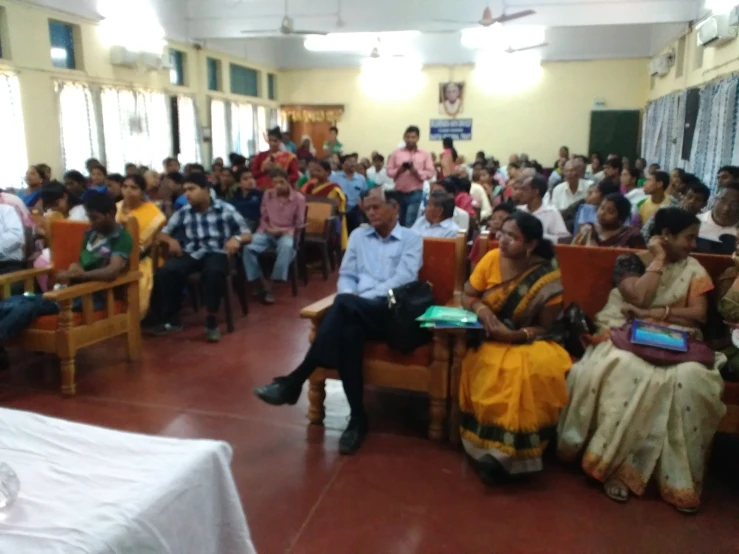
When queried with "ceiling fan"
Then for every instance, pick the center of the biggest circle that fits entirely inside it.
(488, 20)
(511, 50)
(287, 28)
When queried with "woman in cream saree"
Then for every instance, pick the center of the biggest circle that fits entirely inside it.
(630, 420)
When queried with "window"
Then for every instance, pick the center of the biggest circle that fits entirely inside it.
(243, 129)
(680, 58)
(3, 34)
(271, 86)
(244, 80)
(214, 74)
(219, 129)
(78, 123)
(177, 73)
(136, 127)
(190, 151)
(62, 45)
(13, 155)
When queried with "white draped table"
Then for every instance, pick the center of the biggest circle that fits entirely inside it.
(91, 490)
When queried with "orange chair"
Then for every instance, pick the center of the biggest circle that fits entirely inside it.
(424, 370)
(69, 331)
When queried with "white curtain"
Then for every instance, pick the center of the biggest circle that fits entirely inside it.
(136, 127)
(220, 139)
(13, 154)
(243, 129)
(262, 129)
(190, 146)
(78, 122)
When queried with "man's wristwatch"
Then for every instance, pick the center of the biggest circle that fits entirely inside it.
(237, 238)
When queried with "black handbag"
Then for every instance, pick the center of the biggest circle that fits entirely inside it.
(406, 303)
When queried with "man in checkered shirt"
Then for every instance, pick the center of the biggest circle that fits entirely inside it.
(207, 231)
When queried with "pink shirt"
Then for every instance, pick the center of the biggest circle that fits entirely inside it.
(20, 207)
(406, 181)
(282, 212)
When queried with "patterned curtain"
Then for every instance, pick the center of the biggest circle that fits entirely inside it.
(190, 143)
(78, 125)
(243, 129)
(13, 154)
(136, 127)
(220, 137)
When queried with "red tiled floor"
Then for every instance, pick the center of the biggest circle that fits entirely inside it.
(401, 494)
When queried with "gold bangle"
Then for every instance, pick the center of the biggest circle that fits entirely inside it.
(482, 307)
(529, 334)
(667, 313)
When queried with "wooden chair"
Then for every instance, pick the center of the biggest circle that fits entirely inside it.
(320, 231)
(69, 331)
(298, 266)
(586, 279)
(335, 244)
(424, 370)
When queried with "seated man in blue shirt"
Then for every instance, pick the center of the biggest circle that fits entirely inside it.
(437, 220)
(378, 258)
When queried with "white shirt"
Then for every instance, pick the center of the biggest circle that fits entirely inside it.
(446, 229)
(551, 220)
(12, 238)
(635, 196)
(480, 196)
(380, 178)
(78, 213)
(562, 196)
(461, 218)
(711, 230)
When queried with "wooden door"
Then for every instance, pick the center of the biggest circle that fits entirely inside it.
(318, 133)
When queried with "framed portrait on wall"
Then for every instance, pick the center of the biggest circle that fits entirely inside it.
(451, 98)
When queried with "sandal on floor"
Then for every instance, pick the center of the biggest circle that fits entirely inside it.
(616, 490)
(688, 511)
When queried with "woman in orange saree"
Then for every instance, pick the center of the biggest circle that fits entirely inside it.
(319, 185)
(274, 158)
(512, 386)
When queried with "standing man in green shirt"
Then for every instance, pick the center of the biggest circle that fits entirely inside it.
(332, 145)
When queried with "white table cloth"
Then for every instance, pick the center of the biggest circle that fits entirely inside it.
(86, 489)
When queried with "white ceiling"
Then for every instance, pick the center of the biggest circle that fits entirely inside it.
(575, 29)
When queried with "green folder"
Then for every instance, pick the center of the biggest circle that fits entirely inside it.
(445, 314)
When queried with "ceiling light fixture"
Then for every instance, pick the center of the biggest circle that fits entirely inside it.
(359, 42)
(498, 37)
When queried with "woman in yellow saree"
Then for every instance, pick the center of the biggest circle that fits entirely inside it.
(319, 185)
(150, 219)
(513, 385)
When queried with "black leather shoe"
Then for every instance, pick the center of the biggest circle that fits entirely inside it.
(278, 393)
(352, 437)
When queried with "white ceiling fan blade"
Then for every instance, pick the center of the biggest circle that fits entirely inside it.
(455, 21)
(511, 16)
(524, 48)
(305, 33)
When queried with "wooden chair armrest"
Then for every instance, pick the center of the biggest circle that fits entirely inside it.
(70, 293)
(22, 275)
(318, 309)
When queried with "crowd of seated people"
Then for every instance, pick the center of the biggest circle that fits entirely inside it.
(629, 421)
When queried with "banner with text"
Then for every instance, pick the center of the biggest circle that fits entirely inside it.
(457, 129)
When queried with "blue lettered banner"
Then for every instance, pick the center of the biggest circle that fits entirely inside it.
(457, 129)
